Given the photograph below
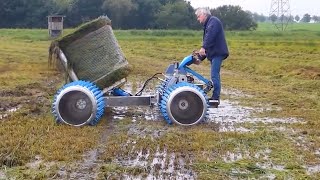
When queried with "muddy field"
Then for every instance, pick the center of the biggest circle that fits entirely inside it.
(136, 160)
(32, 99)
(267, 126)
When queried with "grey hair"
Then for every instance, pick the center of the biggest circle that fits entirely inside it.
(203, 10)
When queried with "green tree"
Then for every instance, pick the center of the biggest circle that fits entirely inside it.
(234, 18)
(164, 2)
(62, 6)
(297, 18)
(118, 11)
(291, 18)
(174, 15)
(273, 18)
(80, 11)
(315, 18)
(306, 18)
(145, 15)
(258, 17)
(22, 13)
(9, 12)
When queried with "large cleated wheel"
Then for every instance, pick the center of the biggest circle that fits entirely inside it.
(184, 103)
(78, 103)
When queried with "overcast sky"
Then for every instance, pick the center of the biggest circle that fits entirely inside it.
(297, 7)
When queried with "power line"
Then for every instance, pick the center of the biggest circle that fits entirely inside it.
(280, 14)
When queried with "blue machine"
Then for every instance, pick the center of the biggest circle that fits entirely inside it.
(181, 97)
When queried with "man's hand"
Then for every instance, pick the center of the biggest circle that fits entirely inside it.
(202, 52)
(197, 61)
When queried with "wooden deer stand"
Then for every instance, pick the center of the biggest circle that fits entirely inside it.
(55, 25)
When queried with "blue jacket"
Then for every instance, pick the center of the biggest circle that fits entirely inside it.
(214, 41)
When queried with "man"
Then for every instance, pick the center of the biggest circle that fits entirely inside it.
(214, 47)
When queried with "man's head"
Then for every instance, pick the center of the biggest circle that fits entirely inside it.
(202, 14)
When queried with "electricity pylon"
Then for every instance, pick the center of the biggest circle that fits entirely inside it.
(280, 14)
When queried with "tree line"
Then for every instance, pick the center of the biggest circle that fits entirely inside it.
(125, 14)
(305, 19)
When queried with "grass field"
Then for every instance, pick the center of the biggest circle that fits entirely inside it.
(291, 27)
(275, 71)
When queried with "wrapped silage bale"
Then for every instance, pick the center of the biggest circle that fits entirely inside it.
(93, 53)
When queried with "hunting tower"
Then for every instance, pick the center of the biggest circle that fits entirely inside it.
(280, 14)
(55, 25)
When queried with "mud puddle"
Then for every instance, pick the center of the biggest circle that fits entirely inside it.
(230, 116)
(158, 165)
(88, 167)
(85, 169)
(3, 174)
(312, 169)
(231, 157)
(153, 165)
(136, 113)
(5, 113)
(33, 98)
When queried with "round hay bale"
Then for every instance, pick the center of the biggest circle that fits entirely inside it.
(93, 53)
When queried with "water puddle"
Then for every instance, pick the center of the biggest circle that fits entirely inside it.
(230, 115)
(2, 175)
(147, 113)
(230, 157)
(119, 113)
(87, 169)
(7, 112)
(36, 163)
(263, 155)
(267, 164)
(158, 165)
(270, 166)
(136, 113)
(302, 142)
(143, 132)
(167, 165)
(312, 169)
(234, 93)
